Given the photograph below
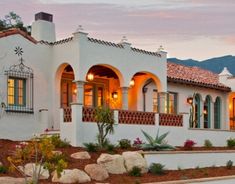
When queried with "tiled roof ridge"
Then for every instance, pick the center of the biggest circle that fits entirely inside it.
(105, 42)
(13, 31)
(170, 62)
(145, 52)
(65, 40)
(194, 76)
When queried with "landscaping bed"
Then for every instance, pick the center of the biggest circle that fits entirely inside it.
(6, 147)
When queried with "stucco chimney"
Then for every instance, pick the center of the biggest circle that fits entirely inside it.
(43, 27)
(224, 75)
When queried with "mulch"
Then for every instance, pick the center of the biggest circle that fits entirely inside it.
(6, 146)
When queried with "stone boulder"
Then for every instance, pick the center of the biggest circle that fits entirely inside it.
(96, 172)
(114, 164)
(81, 155)
(132, 159)
(44, 174)
(71, 176)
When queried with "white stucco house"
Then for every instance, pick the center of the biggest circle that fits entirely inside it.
(53, 85)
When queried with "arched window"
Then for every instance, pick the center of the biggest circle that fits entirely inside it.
(197, 110)
(217, 112)
(207, 112)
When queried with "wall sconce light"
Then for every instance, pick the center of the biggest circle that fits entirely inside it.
(75, 91)
(204, 111)
(132, 83)
(190, 100)
(114, 95)
(90, 76)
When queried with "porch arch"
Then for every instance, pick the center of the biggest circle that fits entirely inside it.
(102, 86)
(141, 94)
(65, 74)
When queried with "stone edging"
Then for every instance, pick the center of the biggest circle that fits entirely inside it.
(195, 180)
(187, 152)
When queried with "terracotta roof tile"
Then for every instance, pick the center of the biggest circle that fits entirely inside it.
(194, 76)
(14, 31)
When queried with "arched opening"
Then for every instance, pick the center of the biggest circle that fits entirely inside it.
(102, 88)
(144, 93)
(197, 110)
(67, 87)
(217, 113)
(207, 112)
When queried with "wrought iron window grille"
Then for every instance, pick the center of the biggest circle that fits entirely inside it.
(24, 73)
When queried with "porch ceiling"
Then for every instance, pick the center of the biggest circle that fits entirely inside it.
(102, 71)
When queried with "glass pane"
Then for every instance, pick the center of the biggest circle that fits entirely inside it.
(88, 95)
(10, 94)
(100, 96)
(155, 101)
(20, 92)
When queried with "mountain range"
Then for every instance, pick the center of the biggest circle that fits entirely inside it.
(215, 65)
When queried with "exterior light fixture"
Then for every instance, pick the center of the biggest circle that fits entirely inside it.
(205, 111)
(190, 100)
(132, 83)
(75, 91)
(114, 95)
(90, 76)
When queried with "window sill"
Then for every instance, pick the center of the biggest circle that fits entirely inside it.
(15, 109)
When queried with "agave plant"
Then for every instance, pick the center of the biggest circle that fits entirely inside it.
(156, 144)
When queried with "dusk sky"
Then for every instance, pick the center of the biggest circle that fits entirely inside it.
(198, 29)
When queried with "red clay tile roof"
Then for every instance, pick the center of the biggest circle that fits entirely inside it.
(14, 31)
(194, 76)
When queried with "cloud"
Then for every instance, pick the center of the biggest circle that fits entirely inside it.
(147, 23)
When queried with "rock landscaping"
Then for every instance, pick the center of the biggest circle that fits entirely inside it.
(103, 167)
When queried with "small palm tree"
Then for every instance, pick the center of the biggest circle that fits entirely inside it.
(105, 121)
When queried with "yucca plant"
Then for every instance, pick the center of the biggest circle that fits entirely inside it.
(156, 144)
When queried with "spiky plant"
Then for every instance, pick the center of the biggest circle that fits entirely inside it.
(156, 144)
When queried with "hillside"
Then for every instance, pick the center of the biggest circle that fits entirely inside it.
(214, 64)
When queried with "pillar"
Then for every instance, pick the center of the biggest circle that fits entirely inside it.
(80, 92)
(125, 98)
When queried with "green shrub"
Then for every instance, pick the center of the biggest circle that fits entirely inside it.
(135, 171)
(208, 143)
(110, 148)
(156, 168)
(91, 147)
(125, 143)
(231, 143)
(3, 169)
(58, 143)
(229, 164)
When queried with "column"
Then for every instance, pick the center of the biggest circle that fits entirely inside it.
(162, 102)
(80, 92)
(125, 98)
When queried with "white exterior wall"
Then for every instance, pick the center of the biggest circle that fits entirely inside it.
(21, 125)
(48, 63)
(190, 159)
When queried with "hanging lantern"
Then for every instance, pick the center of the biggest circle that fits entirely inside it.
(90, 77)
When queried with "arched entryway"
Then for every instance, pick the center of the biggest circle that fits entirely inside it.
(144, 92)
(102, 87)
(67, 87)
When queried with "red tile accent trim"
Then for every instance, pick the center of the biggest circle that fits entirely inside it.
(136, 117)
(67, 114)
(170, 120)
